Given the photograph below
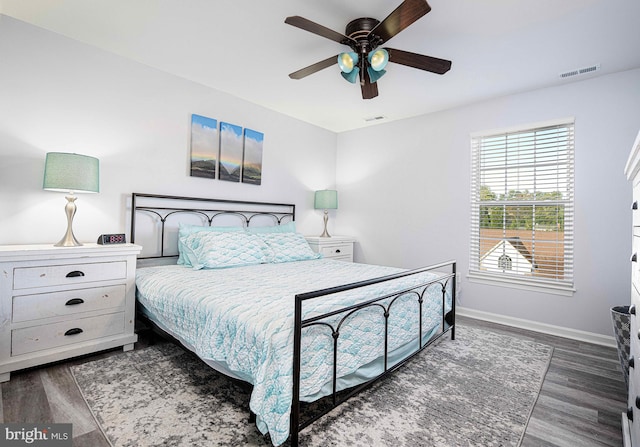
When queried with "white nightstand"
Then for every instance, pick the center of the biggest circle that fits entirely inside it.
(60, 302)
(335, 247)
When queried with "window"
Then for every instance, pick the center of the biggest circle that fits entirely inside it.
(504, 262)
(522, 207)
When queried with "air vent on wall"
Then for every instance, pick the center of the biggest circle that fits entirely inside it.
(580, 71)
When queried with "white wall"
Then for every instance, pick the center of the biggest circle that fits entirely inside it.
(404, 186)
(57, 94)
(404, 193)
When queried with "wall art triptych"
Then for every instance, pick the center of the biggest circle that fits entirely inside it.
(227, 152)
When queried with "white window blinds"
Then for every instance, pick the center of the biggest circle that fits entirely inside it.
(522, 206)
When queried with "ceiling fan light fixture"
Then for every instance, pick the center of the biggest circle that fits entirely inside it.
(347, 62)
(365, 37)
(352, 76)
(375, 75)
(378, 59)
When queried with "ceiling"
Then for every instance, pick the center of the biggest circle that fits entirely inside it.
(243, 47)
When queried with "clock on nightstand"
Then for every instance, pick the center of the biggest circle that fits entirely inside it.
(107, 239)
(335, 247)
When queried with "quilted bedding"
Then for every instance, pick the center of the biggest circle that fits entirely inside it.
(243, 317)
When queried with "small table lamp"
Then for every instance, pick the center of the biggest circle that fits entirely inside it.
(327, 199)
(71, 173)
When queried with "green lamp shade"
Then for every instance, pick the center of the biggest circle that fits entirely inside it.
(71, 173)
(375, 75)
(327, 199)
(352, 76)
(378, 59)
(347, 61)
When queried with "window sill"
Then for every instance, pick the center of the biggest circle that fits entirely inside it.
(532, 286)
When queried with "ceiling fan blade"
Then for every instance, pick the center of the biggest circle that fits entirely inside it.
(312, 27)
(369, 89)
(419, 61)
(404, 15)
(311, 69)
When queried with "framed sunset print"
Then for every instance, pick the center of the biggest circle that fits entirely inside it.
(204, 146)
(231, 146)
(252, 161)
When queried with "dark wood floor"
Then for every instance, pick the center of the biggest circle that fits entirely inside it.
(582, 397)
(580, 404)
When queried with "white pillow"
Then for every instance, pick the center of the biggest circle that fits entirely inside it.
(184, 254)
(214, 250)
(287, 247)
(289, 227)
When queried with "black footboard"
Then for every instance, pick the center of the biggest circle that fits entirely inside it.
(446, 282)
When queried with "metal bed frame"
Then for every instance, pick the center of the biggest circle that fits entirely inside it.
(163, 209)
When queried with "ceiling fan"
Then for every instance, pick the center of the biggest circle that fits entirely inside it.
(365, 35)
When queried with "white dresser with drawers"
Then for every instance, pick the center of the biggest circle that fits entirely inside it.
(335, 247)
(60, 302)
(631, 418)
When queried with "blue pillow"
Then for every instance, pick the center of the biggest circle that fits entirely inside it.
(287, 247)
(289, 227)
(213, 250)
(186, 230)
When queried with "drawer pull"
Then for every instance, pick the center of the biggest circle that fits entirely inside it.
(74, 331)
(74, 301)
(338, 250)
(634, 206)
(632, 309)
(630, 413)
(632, 362)
(74, 274)
(634, 257)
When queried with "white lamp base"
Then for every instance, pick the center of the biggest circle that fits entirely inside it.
(69, 240)
(325, 233)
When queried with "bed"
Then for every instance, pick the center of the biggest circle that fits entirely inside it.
(237, 285)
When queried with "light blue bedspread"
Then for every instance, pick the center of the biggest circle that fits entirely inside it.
(244, 318)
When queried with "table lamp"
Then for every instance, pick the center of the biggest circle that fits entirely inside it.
(326, 199)
(70, 173)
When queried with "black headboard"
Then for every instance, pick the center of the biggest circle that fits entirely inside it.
(155, 219)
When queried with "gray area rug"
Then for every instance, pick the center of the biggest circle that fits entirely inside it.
(477, 390)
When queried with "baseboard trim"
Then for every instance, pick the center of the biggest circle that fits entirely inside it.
(574, 334)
